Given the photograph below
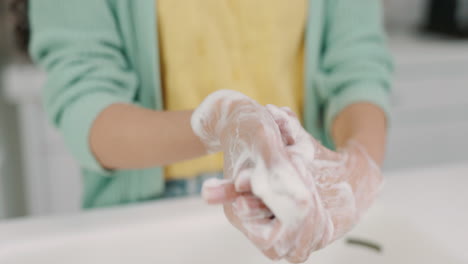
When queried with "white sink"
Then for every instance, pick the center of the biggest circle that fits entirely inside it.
(188, 231)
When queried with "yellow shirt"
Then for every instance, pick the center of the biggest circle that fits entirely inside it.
(252, 46)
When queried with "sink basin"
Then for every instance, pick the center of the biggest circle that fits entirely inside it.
(188, 231)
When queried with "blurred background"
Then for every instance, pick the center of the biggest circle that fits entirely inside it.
(429, 39)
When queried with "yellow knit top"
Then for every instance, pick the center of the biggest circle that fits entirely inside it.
(252, 46)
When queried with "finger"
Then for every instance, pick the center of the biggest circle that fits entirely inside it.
(264, 232)
(289, 111)
(283, 245)
(282, 120)
(258, 231)
(250, 208)
(272, 254)
(316, 233)
(296, 259)
(286, 242)
(249, 202)
(242, 182)
(216, 191)
(256, 214)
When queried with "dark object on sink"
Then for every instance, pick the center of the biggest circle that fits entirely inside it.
(448, 18)
(364, 243)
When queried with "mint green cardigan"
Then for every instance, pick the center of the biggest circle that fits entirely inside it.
(101, 52)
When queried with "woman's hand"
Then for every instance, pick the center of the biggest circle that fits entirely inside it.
(342, 186)
(347, 180)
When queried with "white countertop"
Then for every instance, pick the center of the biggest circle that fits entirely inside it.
(435, 199)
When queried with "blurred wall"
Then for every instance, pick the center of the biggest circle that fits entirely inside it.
(404, 15)
(12, 202)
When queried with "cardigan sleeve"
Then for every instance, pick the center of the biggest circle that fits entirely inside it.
(78, 44)
(356, 63)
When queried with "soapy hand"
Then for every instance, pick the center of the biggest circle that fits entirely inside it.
(347, 181)
(340, 186)
(257, 166)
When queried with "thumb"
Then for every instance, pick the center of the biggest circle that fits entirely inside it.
(286, 121)
(216, 191)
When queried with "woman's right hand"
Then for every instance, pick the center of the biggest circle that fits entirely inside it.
(340, 187)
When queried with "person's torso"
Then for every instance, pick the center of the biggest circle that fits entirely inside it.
(255, 47)
(138, 25)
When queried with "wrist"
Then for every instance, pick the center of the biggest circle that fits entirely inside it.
(364, 123)
(360, 156)
(368, 149)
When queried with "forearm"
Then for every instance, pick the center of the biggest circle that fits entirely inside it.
(364, 123)
(130, 137)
